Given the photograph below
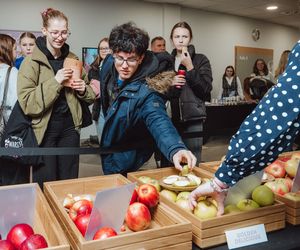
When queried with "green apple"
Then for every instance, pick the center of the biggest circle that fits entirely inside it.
(183, 203)
(185, 170)
(144, 179)
(247, 205)
(291, 166)
(168, 194)
(205, 209)
(231, 208)
(183, 195)
(292, 196)
(154, 183)
(263, 195)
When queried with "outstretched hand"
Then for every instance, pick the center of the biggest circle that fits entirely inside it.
(184, 156)
(206, 189)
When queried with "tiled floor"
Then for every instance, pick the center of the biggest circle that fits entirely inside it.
(213, 150)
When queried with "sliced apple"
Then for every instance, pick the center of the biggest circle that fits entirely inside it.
(194, 179)
(181, 183)
(170, 180)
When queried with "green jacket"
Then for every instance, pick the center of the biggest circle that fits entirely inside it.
(36, 75)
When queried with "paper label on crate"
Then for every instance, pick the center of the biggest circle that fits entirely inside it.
(296, 181)
(109, 209)
(246, 236)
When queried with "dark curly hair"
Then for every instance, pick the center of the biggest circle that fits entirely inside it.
(128, 38)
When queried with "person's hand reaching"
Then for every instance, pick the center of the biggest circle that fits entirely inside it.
(184, 156)
(212, 189)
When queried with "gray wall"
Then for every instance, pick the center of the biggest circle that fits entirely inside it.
(215, 35)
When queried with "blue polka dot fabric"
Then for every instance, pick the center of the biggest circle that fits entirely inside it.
(269, 130)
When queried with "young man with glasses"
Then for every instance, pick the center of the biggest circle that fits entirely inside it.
(135, 110)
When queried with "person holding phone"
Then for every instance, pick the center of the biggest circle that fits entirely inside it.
(191, 88)
(55, 109)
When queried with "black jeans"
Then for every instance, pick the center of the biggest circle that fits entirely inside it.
(60, 133)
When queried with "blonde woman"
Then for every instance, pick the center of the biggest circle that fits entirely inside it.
(282, 63)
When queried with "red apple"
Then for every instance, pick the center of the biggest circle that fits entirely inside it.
(6, 245)
(80, 207)
(18, 233)
(148, 195)
(278, 187)
(134, 197)
(287, 181)
(35, 241)
(276, 169)
(82, 222)
(104, 232)
(138, 217)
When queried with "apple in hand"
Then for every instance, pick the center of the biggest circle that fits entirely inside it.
(104, 232)
(138, 217)
(35, 241)
(18, 233)
(80, 207)
(247, 205)
(148, 195)
(169, 195)
(276, 169)
(292, 196)
(6, 245)
(205, 209)
(82, 222)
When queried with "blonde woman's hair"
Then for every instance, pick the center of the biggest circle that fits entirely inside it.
(50, 13)
(282, 63)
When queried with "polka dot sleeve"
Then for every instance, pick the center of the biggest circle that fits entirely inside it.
(269, 130)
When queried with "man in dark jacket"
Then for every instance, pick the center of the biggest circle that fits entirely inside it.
(134, 110)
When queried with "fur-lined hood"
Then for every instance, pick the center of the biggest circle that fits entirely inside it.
(161, 82)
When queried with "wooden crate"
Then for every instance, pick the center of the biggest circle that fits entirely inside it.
(211, 232)
(292, 210)
(168, 229)
(292, 207)
(211, 166)
(45, 222)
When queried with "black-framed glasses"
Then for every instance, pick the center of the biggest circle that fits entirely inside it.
(56, 34)
(130, 61)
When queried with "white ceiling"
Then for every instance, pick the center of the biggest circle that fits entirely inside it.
(288, 12)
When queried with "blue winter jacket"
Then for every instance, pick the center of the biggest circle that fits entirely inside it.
(138, 114)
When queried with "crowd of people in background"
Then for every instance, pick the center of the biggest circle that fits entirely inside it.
(130, 87)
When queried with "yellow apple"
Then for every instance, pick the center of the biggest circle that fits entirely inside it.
(231, 208)
(183, 195)
(168, 194)
(292, 196)
(205, 209)
(291, 166)
(247, 205)
(184, 204)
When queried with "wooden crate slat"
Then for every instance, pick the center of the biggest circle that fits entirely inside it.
(221, 239)
(207, 233)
